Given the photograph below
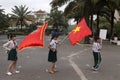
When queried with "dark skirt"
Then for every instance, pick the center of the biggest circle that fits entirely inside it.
(12, 55)
(52, 56)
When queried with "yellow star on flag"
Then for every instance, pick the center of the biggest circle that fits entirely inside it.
(76, 29)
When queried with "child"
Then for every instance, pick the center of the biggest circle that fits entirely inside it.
(96, 53)
(11, 46)
(52, 56)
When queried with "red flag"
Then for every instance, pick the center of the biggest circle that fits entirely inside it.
(79, 32)
(34, 39)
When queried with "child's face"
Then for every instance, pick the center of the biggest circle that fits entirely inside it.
(98, 40)
(55, 38)
(14, 38)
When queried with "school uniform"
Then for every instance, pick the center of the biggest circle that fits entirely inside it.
(11, 46)
(96, 54)
(52, 55)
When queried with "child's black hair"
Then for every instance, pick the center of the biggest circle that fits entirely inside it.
(11, 36)
(55, 36)
(96, 38)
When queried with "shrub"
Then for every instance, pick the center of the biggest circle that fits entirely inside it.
(18, 33)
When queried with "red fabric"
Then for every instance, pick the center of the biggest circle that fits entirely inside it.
(79, 32)
(36, 38)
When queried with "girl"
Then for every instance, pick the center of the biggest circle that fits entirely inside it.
(52, 56)
(11, 46)
(96, 53)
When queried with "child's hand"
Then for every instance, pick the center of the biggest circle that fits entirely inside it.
(49, 46)
(53, 49)
(99, 49)
(59, 43)
(7, 51)
(16, 46)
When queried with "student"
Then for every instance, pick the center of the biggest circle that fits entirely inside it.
(11, 46)
(52, 56)
(96, 53)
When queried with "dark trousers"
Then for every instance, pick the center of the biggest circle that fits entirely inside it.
(97, 59)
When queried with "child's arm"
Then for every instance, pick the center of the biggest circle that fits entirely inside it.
(6, 46)
(99, 46)
(51, 48)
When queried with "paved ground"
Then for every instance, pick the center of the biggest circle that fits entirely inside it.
(74, 62)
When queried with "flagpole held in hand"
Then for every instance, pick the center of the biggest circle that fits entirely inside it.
(64, 38)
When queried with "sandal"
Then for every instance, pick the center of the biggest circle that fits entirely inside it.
(16, 72)
(51, 72)
(9, 73)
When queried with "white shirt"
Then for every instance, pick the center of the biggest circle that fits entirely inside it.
(96, 47)
(53, 44)
(10, 45)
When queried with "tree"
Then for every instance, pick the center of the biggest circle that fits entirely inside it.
(20, 13)
(107, 10)
(117, 28)
(77, 9)
(57, 19)
(3, 19)
(87, 8)
(112, 5)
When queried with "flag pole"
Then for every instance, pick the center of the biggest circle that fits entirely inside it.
(64, 38)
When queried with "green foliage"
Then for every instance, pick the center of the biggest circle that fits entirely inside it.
(57, 19)
(3, 19)
(78, 9)
(117, 29)
(18, 33)
(74, 10)
(104, 23)
(48, 31)
(20, 14)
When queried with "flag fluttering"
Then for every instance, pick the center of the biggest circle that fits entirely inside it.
(80, 31)
(34, 39)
